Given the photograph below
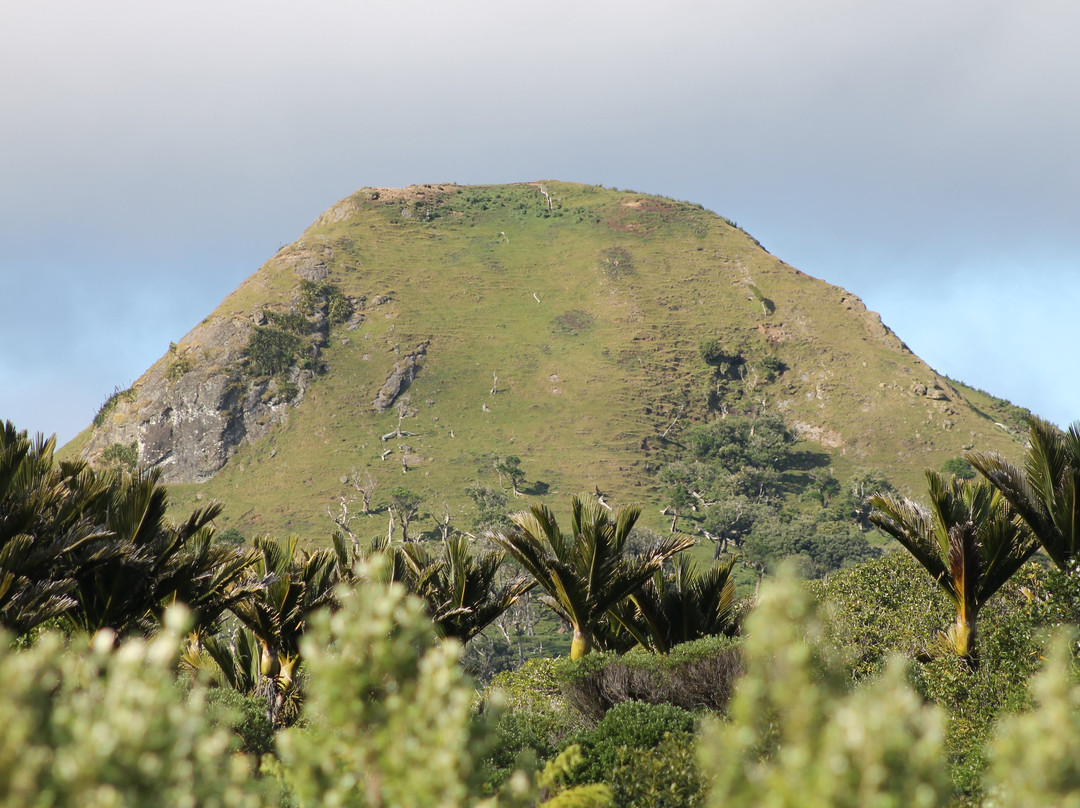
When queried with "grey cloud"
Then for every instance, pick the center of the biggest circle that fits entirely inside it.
(880, 146)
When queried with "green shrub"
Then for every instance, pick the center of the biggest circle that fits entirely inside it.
(271, 351)
(663, 777)
(558, 773)
(178, 368)
(534, 717)
(315, 295)
(246, 716)
(286, 390)
(629, 725)
(716, 354)
(292, 322)
(879, 608)
(891, 606)
(818, 546)
(123, 456)
(338, 307)
(958, 467)
(1036, 755)
(110, 727)
(800, 737)
(771, 366)
(1010, 651)
(231, 536)
(388, 709)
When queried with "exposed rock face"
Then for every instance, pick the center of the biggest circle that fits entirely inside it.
(308, 258)
(195, 406)
(399, 379)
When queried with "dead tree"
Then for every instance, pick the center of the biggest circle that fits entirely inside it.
(345, 517)
(547, 197)
(366, 488)
(672, 424)
(443, 522)
(402, 410)
(601, 497)
(673, 512)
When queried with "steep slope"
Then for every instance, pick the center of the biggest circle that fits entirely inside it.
(416, 335)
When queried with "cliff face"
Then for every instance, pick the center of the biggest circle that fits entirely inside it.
(196, 405)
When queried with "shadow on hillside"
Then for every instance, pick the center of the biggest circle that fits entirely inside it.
(807, 460)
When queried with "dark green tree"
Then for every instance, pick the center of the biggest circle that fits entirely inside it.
(510, 466)
(863, 486)
(491, 507)
(43, 523)
(147, 562)
(270, 351)
(958, 467)
(297, 583)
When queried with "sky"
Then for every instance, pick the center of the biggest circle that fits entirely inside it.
(923, 155)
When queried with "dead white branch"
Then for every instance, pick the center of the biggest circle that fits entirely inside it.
(672, 424)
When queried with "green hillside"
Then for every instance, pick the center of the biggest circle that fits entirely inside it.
(559, 323)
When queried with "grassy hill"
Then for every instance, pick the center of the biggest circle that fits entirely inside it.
(584, 309)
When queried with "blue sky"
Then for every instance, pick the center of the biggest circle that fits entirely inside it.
(922, 155)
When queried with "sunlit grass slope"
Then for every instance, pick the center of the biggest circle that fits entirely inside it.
(584, 308)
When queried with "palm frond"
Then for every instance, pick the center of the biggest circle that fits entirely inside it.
(913, 526)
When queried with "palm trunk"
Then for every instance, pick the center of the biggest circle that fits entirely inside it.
(962, 634)
(582, 643)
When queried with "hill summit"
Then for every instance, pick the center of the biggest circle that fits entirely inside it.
(417, 336)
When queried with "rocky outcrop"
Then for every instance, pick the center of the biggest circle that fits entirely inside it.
(309, 259)
(400, 378)
(195, 406)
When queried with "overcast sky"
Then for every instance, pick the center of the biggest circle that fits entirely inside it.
(924, 155)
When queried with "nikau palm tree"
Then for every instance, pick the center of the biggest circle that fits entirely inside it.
(459, 586)
(1046, 491)
(296, 584)
(42, 524)
(95, 549)
(588, 572)
(969, 540)
(146, 562)
(681, 604)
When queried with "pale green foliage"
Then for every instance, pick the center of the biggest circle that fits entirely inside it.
(389, 709)
(555, 776)
(1036, 754)
(110, 727)
(798, 738)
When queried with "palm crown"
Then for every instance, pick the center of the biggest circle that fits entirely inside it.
(587, 572)
(681, 604)
(458, 586)
(1045, 491)
(968, 540)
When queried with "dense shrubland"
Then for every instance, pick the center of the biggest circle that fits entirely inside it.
(936, 676)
